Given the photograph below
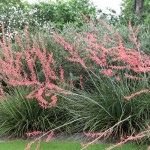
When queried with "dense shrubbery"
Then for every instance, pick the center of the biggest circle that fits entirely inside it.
(107, 65)
(20, 115)
(16, 16)
(125, 65)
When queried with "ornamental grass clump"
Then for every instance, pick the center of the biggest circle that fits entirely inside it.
(119, 74)
(20, 116)
(14, 73)
(109, 98)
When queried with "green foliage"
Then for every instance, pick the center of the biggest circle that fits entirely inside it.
(5, 3)
(20, 115)
(105, 106)
(14, 16)
(62, 12)
(100, 105)
(17, 15)
(128, 13)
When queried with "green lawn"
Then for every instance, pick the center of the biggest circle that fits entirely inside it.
(20, 145)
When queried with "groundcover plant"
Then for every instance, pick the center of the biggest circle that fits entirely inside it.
(114, 81)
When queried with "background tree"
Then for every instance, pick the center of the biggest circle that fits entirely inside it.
(5, 3)
(138, 6)
(16, 14)
(137, 11)
(62, 12)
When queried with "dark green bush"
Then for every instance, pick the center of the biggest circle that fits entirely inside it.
(16, 15)
(19, 115)
(105, 106)
(101, 103)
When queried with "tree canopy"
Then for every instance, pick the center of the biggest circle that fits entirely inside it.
(137, 11)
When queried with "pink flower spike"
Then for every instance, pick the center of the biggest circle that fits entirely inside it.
(49, 137)
(81, 81)
(71, 84)
(54, 100)
(137, 30)
(136, 94)
(33, 133)
(108, 72)
(118, 78)
(98, 134)
(132, 77)
(39, 96)
(61, 71)
(29, 145)
(1, 90)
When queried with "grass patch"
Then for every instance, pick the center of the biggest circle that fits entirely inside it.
(20, 145)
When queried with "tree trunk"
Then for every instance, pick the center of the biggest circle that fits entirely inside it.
(138, 6)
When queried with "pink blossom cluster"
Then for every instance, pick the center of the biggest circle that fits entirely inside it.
(131, 60)
(14, 72)
(49, 137)
(33, 133)
(110, 60)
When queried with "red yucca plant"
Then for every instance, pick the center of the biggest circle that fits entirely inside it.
(18, 68)
(109, 59)
(135, 60)
(13, 71)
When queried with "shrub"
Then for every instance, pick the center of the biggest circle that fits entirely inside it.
(128, 13)
(105, 108)
(107, 94)
(20, 115)
(23, 118)
(126, 71)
